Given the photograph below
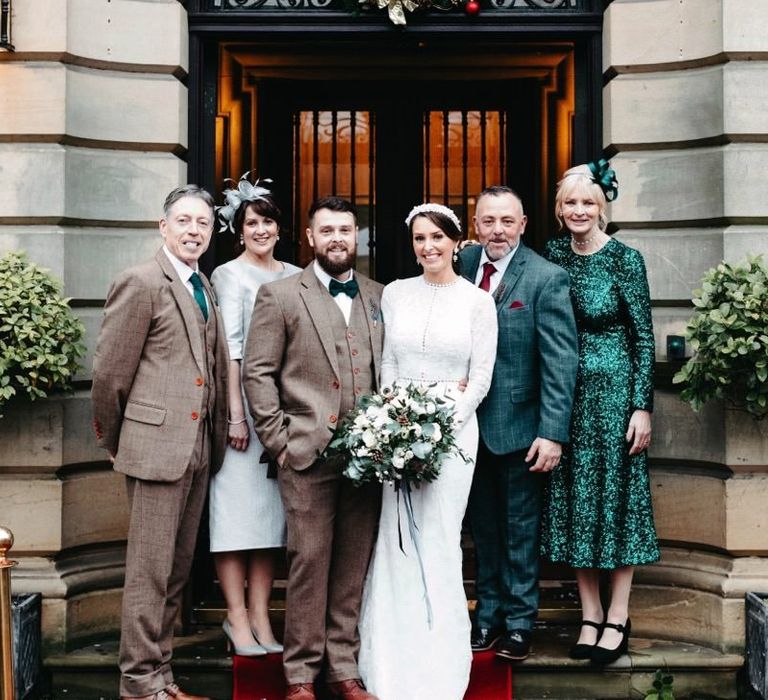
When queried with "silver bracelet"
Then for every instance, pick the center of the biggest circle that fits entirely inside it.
(236, 422)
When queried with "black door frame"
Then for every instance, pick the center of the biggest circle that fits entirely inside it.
(208, 28)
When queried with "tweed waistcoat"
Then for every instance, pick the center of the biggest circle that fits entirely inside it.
(208, 335)
(353, 351)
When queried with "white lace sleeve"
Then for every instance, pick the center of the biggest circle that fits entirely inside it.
(388, 359)
(484, 334)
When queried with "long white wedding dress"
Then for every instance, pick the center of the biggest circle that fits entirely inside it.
(441, 335)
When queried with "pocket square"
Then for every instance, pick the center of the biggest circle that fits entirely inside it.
(517, 304)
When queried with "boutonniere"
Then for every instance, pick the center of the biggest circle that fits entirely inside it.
(375, 312)
(517, 304)
(499, 292)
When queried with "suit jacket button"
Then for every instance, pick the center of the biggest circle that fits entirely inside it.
(332, 418)
(356, 370)
(335, 384)
(199, 381)
(354, 353)
(195, 415)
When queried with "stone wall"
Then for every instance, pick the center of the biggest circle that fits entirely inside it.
(686, 117)
(93, 129)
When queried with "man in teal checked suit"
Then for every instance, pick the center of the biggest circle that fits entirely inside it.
(523, 420)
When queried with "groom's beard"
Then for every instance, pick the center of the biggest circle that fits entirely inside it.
(337, 266)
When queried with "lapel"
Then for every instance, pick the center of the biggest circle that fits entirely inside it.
(514, 271)
(184, 302)
(372, 311)
(310, 292)
(470, 260)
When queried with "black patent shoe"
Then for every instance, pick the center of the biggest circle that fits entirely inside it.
(581, 652)
(514, 645)
(602, 656)
(484, 638)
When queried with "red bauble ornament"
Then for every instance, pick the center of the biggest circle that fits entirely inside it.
(472, 8)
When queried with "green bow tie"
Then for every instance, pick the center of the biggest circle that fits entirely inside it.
(350, 288)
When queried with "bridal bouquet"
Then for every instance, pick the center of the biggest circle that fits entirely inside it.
(400, 435)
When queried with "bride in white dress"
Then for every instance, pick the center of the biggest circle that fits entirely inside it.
(440, 330)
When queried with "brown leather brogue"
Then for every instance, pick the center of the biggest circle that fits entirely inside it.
(178, 694)
(300, 691)
(352, 689)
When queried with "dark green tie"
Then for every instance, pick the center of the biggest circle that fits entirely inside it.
(197, 285)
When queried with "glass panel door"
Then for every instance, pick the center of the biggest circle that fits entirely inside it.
(334, 154)
(464, 152)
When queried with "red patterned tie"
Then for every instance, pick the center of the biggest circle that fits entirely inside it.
(488, 269)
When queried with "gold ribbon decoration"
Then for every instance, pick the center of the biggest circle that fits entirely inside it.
(396, 9)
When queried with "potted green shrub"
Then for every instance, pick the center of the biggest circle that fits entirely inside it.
(729, 336)
(40, 336)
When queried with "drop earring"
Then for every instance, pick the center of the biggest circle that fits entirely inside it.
(455, 255)
(242, 240)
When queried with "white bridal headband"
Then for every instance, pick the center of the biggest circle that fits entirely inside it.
(437, 208)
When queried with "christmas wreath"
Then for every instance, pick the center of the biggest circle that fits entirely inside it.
(397, 8)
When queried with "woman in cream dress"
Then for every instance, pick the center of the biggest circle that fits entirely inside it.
(246, 513)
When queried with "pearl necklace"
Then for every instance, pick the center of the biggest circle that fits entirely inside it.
(582, 245)
(440, 284)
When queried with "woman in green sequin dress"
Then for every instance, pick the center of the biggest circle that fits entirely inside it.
(598, 513)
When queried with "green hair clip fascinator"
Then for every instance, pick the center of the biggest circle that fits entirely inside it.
(605, 177)
(244, 191)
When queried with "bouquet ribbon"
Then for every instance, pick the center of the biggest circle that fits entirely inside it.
(405, 487)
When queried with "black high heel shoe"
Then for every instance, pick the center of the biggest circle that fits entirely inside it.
(602, 656)
(580, 652)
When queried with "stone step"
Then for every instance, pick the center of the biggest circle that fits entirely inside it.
(559, 603)
(202, 665)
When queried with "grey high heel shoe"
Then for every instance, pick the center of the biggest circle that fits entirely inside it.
(275, 648)
(252, 650)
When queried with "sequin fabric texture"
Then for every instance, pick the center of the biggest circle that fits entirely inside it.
(598, 511)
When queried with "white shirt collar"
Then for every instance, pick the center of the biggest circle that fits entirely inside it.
(325, 278)
(183, 270)
(501, 264)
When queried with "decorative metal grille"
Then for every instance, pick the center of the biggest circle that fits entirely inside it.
(334, 154)
(5, 25)
(464, 152)
(338, 4)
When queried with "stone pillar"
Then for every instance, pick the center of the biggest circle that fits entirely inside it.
(686, 117)
(93, 125)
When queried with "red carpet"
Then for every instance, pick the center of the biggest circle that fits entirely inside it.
(491, 678)
(261, 678)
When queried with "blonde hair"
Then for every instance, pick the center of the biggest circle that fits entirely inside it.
(580, 176)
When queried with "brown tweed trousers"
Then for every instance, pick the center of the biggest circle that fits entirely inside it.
(159, 401)
(303, 369)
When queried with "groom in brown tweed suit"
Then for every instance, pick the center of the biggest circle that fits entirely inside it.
(313, 348)
(160, 411)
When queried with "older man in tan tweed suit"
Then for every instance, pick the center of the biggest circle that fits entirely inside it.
(313, 348)
(159, 400)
